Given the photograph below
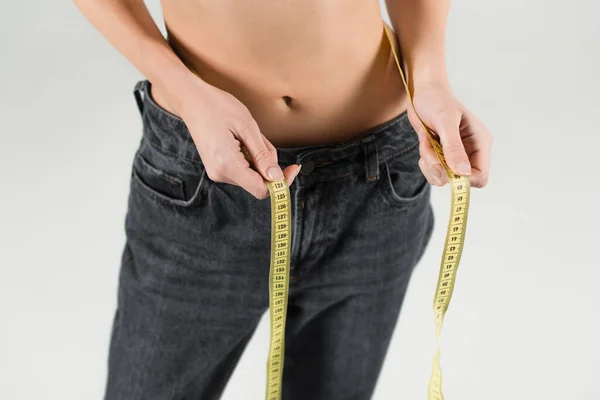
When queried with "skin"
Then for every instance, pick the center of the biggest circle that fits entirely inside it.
(331, 59)
(467, 144)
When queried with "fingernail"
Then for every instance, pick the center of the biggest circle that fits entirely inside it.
(436, 172)
(275, 173)
(463, 168)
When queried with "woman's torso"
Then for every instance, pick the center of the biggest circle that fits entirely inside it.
(331, 57)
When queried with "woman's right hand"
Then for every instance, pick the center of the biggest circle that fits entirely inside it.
(219, 124)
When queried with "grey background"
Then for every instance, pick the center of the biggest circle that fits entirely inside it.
(523, 323)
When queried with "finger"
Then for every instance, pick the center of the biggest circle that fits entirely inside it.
(480, 160)
(264, 157)
(416, 123)
(432, 179)
(447, 128)
(480, 141)
(291, 172)
(251, 181)
(254, 183)
(431, 160)
(268, 143)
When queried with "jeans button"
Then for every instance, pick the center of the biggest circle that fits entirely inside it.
(307, 167)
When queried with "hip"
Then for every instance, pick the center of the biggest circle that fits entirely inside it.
(373, 180)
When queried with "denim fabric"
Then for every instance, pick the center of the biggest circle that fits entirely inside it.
(194, 275)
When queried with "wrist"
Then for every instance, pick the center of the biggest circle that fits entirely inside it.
(428, 74)
(426, 69)
(177, 84)
(183, 91)
(436, 81)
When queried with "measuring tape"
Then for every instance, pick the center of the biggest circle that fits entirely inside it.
(279, 274)
(279, 271)
(453, 246)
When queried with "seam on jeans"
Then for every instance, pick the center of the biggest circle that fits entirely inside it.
(295, 232)
(185, 389)
(156, 145)
(399, 152)
(394, 200)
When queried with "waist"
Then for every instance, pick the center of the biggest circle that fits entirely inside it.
(370, 147)
(316, 88)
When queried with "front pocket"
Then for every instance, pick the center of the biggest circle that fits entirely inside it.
(403, 182)
(158, 181)
(182, 185)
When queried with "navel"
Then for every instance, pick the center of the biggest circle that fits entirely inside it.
(288, 101)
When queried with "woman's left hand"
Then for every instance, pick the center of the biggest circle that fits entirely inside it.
(466, 142)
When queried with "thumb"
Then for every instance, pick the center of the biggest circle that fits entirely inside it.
(454, 151)
(263, 156)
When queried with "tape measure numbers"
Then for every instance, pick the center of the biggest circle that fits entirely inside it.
(279, 275)
(453, 246)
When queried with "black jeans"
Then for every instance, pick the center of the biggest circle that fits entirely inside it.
(194, 275)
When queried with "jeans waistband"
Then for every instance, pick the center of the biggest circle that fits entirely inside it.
(319, 162)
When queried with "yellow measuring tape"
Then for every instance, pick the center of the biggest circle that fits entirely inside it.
(460, 187)
(279, 274)
(279, 271)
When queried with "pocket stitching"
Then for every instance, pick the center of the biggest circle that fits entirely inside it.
(173, 154)
(137, 180)
(400, 152)
(392, 197)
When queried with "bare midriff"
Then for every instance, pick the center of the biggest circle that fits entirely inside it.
(310, 72)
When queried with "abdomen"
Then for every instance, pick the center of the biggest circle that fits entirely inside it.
(309, 71)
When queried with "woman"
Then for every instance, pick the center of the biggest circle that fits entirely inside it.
(312, 91)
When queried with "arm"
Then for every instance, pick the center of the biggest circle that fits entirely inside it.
(420, 26)
(217, 121)
(421, 29)
(129, 27)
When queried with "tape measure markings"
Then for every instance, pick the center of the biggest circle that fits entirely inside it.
(453, 246)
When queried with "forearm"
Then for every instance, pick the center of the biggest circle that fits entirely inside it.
(421, 28)
(129, 27)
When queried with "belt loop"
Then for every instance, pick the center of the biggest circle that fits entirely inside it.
(138, 92)
(371, 158)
